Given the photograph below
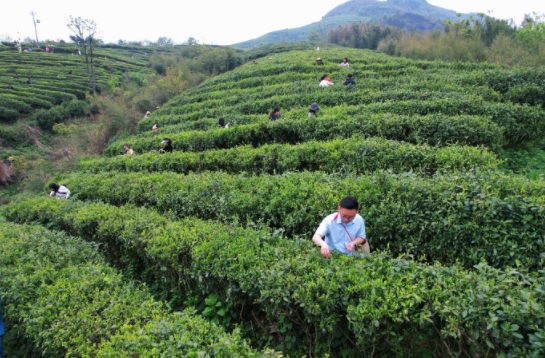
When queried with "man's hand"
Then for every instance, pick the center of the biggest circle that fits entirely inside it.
(350, 246)
(326, 251)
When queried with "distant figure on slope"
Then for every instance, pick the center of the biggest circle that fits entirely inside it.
(274, 115)
(28, 82)
(345, 63)
(16, 77)
(167, 143)
(147, 114)
(155, 127)
(342, 231)
(60, 191)
(70, 72)
(326, 81)
(313, 111)
(255, 62)
(47, 49)
(349, 80)
(79, 52)
(221, 123)
(2, 331)
(10, 87)
(319, 62)
(128, 150)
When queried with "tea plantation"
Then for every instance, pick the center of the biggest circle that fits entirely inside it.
(206, 251)
(55, 77)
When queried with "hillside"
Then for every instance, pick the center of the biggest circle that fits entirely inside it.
(406, 14)
(222, 225)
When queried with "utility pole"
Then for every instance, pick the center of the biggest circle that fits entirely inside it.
(35, 27)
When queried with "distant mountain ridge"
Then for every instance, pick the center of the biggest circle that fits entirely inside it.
(417, 15)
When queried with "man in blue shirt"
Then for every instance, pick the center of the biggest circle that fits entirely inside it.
(1, 331)
(343, 231)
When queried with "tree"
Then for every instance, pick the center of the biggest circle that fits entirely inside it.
(532, 32)
(314, 36)
(173, 82)
(6, 38)
(84, 32)
(165, 41)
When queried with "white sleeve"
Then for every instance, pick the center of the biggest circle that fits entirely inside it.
(67, 193)
(52, 192)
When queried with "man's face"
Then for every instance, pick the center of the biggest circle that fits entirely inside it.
(347, 215)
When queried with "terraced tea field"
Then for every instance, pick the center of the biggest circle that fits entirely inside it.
(221, 227)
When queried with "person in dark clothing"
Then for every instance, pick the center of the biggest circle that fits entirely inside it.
(1, 331)
(319, 61)
(28, 81)
(167, 146)
(10, 87)
(275, 114)
(221, 123)
(70, 72)
(16, 77)
(349, 80)
(313, 111)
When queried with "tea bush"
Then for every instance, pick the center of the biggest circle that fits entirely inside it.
(355, 155)
(434, 130)
(59, 297)
(460, 217)
(353, 305)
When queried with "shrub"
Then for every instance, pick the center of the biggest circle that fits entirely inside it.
(436, 130)
(356, 155)
(8, 114)
(345, 302)
(465, 217)
(76, 108)
(48, 278)
(47, 118)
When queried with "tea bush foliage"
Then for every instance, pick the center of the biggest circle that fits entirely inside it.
(363, 304)
(61, 299)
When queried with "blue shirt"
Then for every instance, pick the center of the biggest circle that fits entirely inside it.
(1, 320)
(336, 237)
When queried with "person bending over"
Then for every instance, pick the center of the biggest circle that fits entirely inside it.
(342, 231)
(60, 191)
(167, 146)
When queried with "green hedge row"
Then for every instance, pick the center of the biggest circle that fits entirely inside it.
(520, 123)
(464, 217)
(8, 115)
(189, 102)
(35, 103)
(60, 298)
(435, 130)
(15, 104)
(361, 306)
(352, 155)
(325, 97)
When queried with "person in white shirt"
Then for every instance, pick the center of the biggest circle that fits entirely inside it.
(345, 63)
(326, 81)
(60, 191)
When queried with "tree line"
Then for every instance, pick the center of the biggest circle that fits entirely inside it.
(475, 39)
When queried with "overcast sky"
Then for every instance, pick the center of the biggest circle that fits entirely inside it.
(209, 21)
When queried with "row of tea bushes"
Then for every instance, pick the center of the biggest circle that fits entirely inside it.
(435, 130)
(460, 217)
(345, 306)
(519, 123)
(355, 155)
(60, 299)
